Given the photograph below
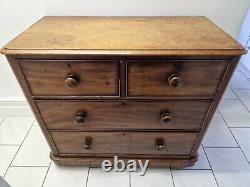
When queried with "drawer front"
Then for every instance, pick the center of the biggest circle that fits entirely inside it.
(174, 78)
(117, 115)
(124, 143)
(72, 77)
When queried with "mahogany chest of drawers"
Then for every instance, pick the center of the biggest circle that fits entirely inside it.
(133, 87)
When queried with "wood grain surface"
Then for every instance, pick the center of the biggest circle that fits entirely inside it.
(150, 77)
(124, 142)
(96, 78)
(123, 115)
(93, 34)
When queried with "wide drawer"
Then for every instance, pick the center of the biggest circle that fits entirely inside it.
(117, 115)
(159, 143)
(72, 77)
(174, 78)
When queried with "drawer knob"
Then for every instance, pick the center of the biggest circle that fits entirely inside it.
(80, 118)
(88, 142)
(166, 117)
(160, 144)
(72, 81)
(174, 80)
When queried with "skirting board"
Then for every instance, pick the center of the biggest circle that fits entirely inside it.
(15, 109)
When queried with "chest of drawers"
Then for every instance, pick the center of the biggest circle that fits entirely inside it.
(133, 87)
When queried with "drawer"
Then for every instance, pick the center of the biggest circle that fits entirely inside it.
(117, 115)
(156, 143)
(72, 77)
(174, 78)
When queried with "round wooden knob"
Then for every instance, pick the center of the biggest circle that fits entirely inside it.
(166, 117)
(72, 81)
(160, 144)
(88, 142)
(80, 118)
(174, 80)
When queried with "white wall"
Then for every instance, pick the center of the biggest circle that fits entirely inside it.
(16, 15)
(228, 14)
(244, 39)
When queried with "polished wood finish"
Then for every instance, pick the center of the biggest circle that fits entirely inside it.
(177, 163)
(126, 115)
(222, 88)
(72, 77)
(125, 35)
(72, 81)
(136, 87)
(125, 142)
(174, 78)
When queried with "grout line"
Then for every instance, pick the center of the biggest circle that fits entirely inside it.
(29, 166)
(241, 88)
(219, 147)
(1, 122)
(46, 173)
(239, 127)
(241, 101)
(210, 166)
(229, 86)
(199, 169)
(245, 78)
(244, 106)
(242, 73)
(240, 147)
(240, 67)
(130, 183)
(18, 149)
(171, 173)
(235, 140)
(232, 99)
(14, 145)
(87, 177)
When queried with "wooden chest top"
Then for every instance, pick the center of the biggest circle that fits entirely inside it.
(124, 35)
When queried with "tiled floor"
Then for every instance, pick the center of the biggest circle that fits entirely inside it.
(224, 156)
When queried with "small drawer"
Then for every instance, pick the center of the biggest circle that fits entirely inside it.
(155, 143)
(123, 115)
(174, 78)
(72, 77)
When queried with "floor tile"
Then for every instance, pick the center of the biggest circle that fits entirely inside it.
(35, 123)
(34, 144)
(26, 176)
(152, 178)
(66, 176)
(234, 113)
(229, 94)
(1, 119)
(194, 178)
(242, 136)
(236, 70)
(13, 130)
(239, 81)
(202, 162)
(230, 167)
(244, 70)
(98, 177)
(7, 154)
(218, 134)
(244, 96)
